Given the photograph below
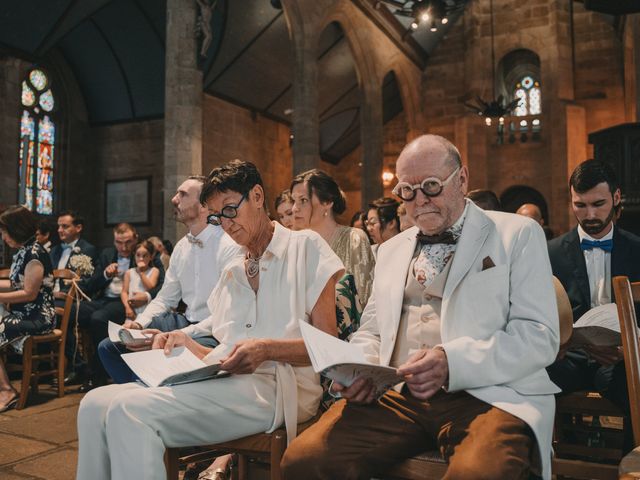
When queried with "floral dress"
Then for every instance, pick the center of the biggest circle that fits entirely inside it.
(33, 317)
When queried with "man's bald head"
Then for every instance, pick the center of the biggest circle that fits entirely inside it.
(433, 157)
(432, 146)
(531, 210)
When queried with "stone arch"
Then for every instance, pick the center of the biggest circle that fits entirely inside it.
(516, 195)
(410, 97)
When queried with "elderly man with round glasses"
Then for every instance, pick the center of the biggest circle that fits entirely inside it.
(463, 307)
(283, 277)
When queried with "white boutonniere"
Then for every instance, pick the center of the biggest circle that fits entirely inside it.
(81, 264)
(76, 250)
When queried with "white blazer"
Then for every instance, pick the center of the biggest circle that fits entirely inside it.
(499, 326)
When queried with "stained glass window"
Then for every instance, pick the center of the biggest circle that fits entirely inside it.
(528, 91)
(37, 144)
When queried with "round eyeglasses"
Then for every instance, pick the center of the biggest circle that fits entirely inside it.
(431, 187)
(228, 211)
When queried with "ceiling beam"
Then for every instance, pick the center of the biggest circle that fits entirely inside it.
(392, 28)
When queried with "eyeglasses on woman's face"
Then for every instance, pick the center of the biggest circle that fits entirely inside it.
(228, 211)
(431, 187)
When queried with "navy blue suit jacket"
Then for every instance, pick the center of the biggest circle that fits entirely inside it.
(567, 263)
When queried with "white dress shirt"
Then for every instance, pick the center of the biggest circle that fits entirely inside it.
(66, 254)
(598, 264)
(192, 275)
(294, 269)
(64, 259)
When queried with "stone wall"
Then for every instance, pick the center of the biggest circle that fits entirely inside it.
(231, 132)
(125, 151)
(460, 68)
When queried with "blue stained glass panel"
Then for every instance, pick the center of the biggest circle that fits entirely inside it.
(535, 107)
(27, 125)
(44, 202)
(28, 95)
(46, 130)
(46, 101)
(28, 199)
(521, 109)
(38, 79)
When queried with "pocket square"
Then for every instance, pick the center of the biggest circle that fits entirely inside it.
(487, 263)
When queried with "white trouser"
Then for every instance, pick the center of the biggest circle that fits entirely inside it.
(123, 429)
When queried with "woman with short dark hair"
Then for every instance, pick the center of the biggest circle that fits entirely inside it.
(29, 290)
(382, 220)
(317, 200)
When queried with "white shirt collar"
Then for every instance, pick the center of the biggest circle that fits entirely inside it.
(584, 235)
(207, 233)
(278, 244)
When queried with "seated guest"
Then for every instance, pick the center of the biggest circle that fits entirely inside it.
(317, 200)
(28, 290)
(70, 229)
(195, 267)
(532, 210)
(382, 220)
(283, 204)
(585, 260)
(161, 252)
(485, 199)
(458, 302)
(105, 287)
(46, 234)
(141, 278)
(405, 220)
(283, 277)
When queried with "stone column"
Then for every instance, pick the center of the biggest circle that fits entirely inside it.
(305, 128)
(372, 138)
(182, 107)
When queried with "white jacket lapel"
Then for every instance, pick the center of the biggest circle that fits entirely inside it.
(474, 233)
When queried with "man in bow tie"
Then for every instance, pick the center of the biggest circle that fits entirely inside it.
(458, 301)
(195, 266)
(585, 260)
(70, 229)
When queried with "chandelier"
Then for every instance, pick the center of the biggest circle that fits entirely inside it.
(497, 108)
(424, 12)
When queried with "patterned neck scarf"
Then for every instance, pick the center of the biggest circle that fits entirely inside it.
(433, 257)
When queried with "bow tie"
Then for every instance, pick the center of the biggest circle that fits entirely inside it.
(194, 240)
(606, 245)
(447, 237)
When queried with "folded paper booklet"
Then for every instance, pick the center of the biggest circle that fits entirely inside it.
(343, 362)
(598, 327)
(128, 336)
(156, 369)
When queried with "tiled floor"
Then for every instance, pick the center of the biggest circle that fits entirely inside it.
(40, 441)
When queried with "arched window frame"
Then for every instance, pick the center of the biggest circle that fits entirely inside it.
(38, 155)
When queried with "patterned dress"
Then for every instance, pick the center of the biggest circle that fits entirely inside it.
(33, 317)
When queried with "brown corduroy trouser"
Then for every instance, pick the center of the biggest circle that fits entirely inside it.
(359, 441)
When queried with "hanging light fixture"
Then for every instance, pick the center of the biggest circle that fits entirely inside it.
(431, 13)
(496, 108)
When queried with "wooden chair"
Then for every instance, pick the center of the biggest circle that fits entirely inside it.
(268, 447)
(574, 460)
(32, 357)
(627, 294)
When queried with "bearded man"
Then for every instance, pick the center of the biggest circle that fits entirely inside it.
(585, 260)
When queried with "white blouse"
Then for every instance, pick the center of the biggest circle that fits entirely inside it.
(294, 270)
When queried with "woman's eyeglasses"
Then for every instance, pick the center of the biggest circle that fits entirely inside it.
(431, 187)
(228, 211)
